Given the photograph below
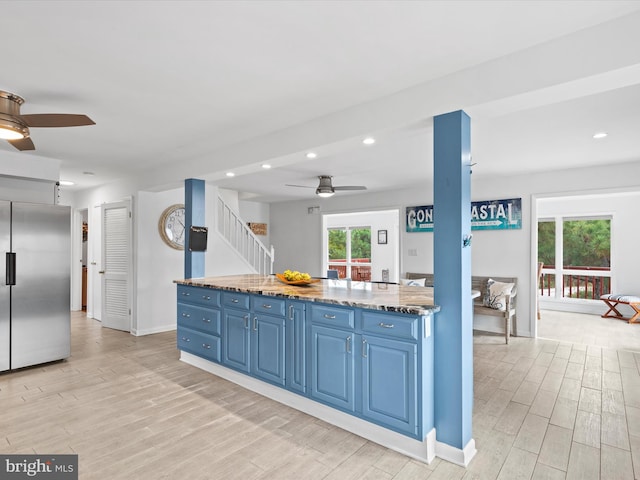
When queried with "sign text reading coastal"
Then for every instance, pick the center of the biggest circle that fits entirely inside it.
(486, 215)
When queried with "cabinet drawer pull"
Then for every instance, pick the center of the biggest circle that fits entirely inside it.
(255, 324)
(185, 339)
(186, 294)
(266, 305)
(386, 325)
(290, 312)
(349, 344)
(330, 317)
(234, 300)
(246, 321)
(186, 315)
(206, 320)
(206, 345)
(206, 297)
(365, 346)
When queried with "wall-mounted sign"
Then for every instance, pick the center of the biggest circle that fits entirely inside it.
(258, 228)
(486, 215)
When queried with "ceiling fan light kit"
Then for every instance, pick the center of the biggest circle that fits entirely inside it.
(326, 189)
(10, 129)
(324, 193)
(14, 127)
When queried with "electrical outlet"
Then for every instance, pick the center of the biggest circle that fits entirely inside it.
(413, 252)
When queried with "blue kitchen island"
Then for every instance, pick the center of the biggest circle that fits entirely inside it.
(358, 355)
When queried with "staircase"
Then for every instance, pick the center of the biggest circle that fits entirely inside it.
(238, 234)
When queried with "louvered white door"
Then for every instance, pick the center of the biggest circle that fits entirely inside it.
(116, 265)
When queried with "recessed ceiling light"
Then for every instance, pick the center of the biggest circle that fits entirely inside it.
(312, 155)
(599, 135)
(369, 141)
(66, 183)
(231, 174)
(266, 166)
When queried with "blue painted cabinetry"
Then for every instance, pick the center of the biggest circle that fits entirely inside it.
(366, 362)
(331, 350)
(390, 373)
(254, 342)
(295, 349)
(199, 324)
(267, 348)
(236, 338)
(389, 383)
(360, 361)
(332, 366)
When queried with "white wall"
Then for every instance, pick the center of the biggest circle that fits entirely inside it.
(505, 253)
(157, 265)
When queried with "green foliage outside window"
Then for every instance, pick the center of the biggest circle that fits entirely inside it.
(360, 243)
(547, 243)
(337, 244)
(587, 243)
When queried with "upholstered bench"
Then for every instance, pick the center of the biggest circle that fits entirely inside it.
(497, 304)
(613, 301)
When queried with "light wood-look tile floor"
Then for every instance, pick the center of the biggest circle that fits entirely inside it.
(544, 409)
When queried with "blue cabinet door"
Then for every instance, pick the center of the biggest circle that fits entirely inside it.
(236, 339)
(295, 348)
(267, 347)
(332, 366)
(389, 390)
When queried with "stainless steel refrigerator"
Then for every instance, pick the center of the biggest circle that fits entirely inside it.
(35, 318)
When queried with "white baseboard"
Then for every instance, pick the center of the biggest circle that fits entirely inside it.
(151, 331)
(458, 456)
(424, 451)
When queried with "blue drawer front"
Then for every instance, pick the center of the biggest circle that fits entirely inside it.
(332, 316)
(390, 325)
(199, 295)
(206, 320)
(272, 306)
(206, 346)
(235, 300)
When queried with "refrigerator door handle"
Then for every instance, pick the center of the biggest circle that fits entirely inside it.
(11, 269)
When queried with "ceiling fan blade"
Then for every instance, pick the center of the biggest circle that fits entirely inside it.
(23, 144)
(301, 186)
(351, 187)
(55, 120)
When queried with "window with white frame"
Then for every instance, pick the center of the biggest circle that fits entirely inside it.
(576, 255)
(349, 252)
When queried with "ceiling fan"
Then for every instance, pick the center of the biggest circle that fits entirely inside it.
(326, 189)
(14, 127)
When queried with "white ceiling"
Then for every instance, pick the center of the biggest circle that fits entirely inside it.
(198, 88)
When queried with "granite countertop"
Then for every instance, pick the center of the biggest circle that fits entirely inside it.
(376, 296)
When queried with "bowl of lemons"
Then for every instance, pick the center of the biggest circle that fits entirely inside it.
(294, 277)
